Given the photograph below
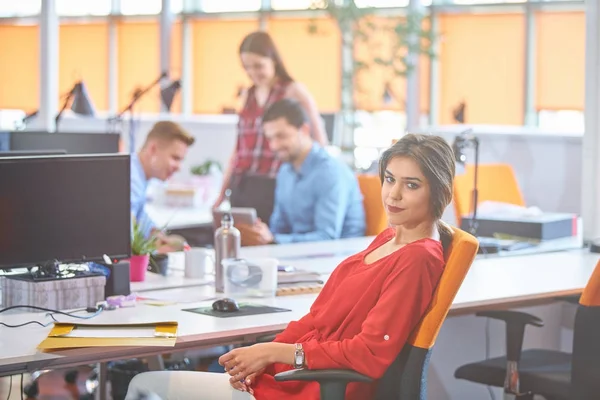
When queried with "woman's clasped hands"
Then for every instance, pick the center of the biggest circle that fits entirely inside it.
(245, 364)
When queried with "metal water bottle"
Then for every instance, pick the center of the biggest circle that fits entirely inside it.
(227, 245)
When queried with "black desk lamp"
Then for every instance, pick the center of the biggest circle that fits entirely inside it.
(81, 103)
(167, 94)
(462, 142)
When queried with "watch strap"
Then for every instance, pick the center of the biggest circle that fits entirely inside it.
(299, 356)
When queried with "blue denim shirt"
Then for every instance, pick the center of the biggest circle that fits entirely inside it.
(139, 184)
(320, 201)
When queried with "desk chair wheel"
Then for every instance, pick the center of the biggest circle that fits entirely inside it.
(31, 390)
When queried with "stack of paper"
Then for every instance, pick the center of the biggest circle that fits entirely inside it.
(298, 276)
(68, 335)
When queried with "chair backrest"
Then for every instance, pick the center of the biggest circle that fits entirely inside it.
(585, 367)
(495, 182)
(376, 219)
(406, 378)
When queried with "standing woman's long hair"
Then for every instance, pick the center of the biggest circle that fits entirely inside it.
(437, 162)
(261, 43)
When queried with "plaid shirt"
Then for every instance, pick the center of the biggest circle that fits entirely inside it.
(253, 154)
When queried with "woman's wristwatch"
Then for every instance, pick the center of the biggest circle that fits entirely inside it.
(299, 356)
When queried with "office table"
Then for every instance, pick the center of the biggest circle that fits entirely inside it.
(179, 217)
(491, 282)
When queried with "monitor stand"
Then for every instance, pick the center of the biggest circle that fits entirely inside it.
(51, 271)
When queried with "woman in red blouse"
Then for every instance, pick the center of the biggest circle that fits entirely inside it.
(253, 166)
(370, 304)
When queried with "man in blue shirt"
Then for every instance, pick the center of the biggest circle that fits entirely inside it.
(317, 197)
(160, 157)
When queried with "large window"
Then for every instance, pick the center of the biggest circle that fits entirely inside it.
(387, 3)
(473, 2)
(305, 4)
(291, 4)
(83, 7)
(75, 8)
(148, 7)
(20, 8)
(137, 7)
(211, 6)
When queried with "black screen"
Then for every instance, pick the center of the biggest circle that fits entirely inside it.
(71, 142)
(23, 153)
(66, 208)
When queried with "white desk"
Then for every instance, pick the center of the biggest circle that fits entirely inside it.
(179, 217)
(492, 282)
(321, 257)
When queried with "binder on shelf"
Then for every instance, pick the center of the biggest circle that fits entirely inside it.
(71, 335)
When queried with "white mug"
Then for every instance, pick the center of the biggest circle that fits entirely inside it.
(199, 263)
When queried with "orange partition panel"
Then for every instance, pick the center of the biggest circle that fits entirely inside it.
(218, 72)
(138, 63)
(482, 63)
(19, 69)
(314, 59)
(376, 218)
(83, 55)
(560, 61)
(495, 182)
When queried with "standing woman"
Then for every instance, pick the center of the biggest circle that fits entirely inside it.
(253, 166)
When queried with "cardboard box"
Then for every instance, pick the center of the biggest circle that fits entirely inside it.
(547, 226)
(59, 294)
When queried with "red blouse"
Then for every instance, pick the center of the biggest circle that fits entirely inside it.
(253, 153)
(361, 319)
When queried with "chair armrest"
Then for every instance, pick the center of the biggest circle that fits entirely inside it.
(512, 317)
(570, 299)
(266, 338)
(322, 375)
(332, 382)
(515, 329)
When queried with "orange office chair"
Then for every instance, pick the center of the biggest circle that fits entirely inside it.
(406, 378)
(370, 187)
(555, 375)
(495, 182)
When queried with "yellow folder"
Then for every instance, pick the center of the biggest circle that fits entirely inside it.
(69, 335)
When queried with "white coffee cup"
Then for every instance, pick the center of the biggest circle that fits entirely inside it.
(199, 263)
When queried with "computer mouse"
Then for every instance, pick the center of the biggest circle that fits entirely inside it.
(225, 305)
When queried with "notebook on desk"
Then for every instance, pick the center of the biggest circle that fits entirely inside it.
(488, 245)
(298, 276)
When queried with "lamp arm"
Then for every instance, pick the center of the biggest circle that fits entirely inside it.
(64, 107)
(139, 93)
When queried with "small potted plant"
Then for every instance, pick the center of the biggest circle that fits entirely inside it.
(205, 168)
(205, 177)
(141, 249)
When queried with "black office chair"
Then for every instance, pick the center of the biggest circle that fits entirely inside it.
(555, 375)
(406, 378)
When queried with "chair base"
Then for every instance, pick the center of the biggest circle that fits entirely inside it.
(543, 372)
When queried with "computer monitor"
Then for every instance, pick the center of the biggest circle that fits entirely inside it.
(71, 142)
(31, 153)
(72, 208)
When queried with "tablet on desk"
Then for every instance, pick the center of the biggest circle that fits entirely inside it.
(242, 215)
